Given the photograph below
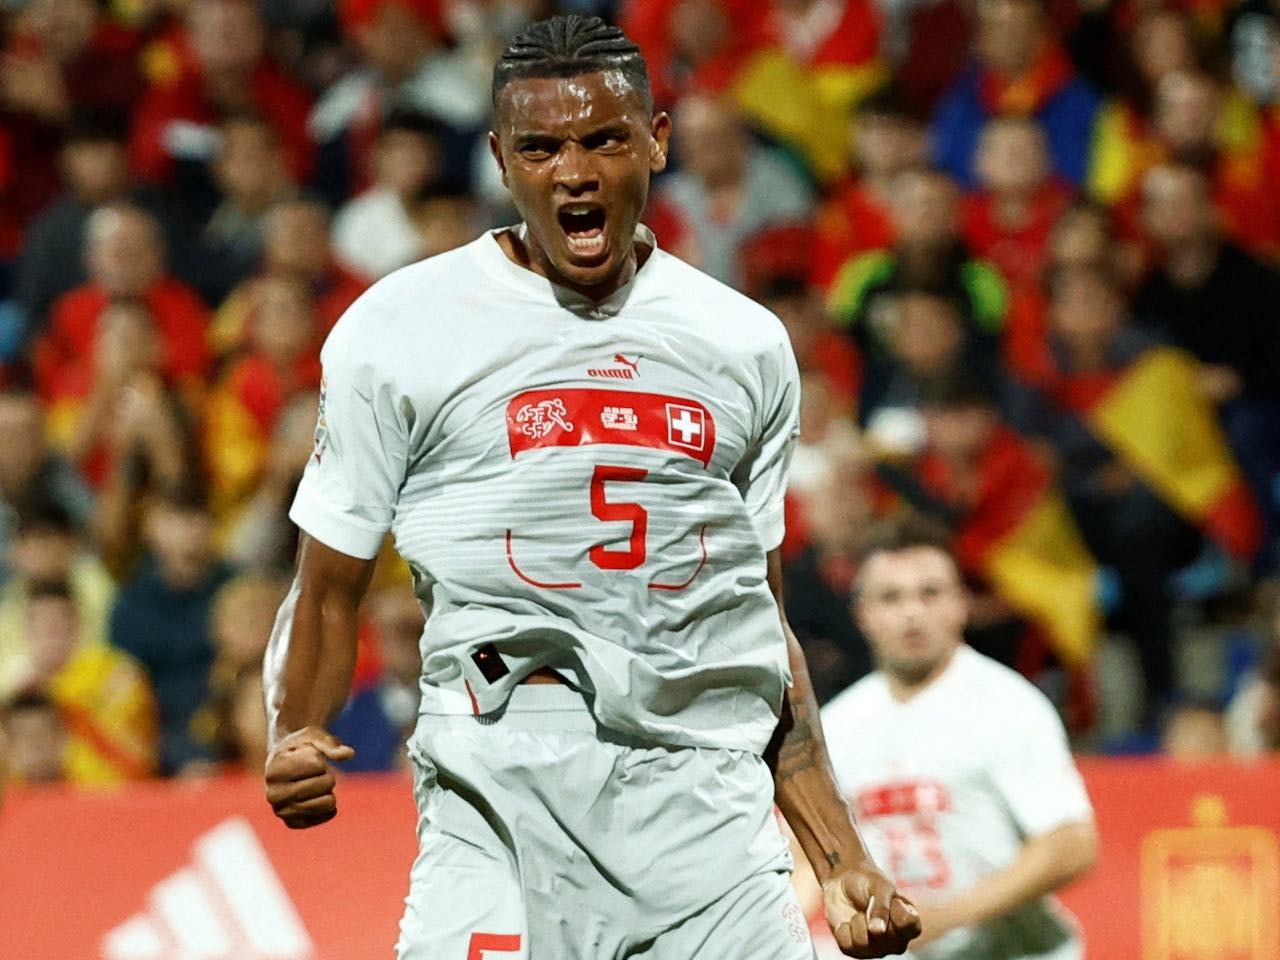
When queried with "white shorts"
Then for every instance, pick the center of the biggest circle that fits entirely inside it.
(545, 837)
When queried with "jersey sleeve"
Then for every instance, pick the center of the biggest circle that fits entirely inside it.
(347, 496)
(762, 475)
(1034, 772)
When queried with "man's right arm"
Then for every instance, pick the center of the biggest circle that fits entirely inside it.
(307, 675)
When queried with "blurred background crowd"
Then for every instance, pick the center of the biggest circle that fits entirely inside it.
(1026, 252)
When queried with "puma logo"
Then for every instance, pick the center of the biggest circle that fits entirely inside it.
(633, 364)
(630, 369)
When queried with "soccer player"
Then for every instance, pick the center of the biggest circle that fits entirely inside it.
(957, 768)
(580, 444)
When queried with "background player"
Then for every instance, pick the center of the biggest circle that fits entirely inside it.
(605, 663)
(957, 767)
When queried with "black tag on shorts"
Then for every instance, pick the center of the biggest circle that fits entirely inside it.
(490, 663)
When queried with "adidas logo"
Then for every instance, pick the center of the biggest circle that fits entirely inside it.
(227, 904)
(628, 369)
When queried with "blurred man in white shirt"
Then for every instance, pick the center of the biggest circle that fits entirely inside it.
(957, 768)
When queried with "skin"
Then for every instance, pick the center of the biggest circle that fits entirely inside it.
(578, 139)
(912, 608)
(563, 140)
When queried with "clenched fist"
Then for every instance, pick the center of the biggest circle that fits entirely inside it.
(300, 780)
(867, 915)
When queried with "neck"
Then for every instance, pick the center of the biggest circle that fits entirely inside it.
(521, 248)
(902, 687)
(1011, 208)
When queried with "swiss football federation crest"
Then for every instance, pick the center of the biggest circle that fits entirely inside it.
(537, 420)
(686, 426)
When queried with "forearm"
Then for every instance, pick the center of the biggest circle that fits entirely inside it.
(804, 784)
(311, 656)
(1045, 864)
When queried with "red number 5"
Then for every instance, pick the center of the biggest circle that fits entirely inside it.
(602, 509)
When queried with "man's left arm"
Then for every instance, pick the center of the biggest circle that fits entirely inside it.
(867, 915)
(1046, 863)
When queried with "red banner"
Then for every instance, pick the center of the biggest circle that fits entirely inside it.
(1190, 870)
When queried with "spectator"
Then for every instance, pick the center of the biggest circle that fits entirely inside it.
(162, 618)
(1194, 127)
(1011, 532)
(95, 167)
(819, 350)
(1019, 69)
(175, 137)
(886, 139)
(244, 612)
(374, 233)
(49, 549)
(694, 46)
(728, 187)
(262, 538)
(378, 719)
(444, 219)
(1128, 524)
(1196, 732)
(29, 470)
(126, 258)
(405, 66)
(251, 175)
(33, 740)
(927, 255)
(296, 243)
(101, 692)
(1209, 297)
(1162, 42)
(1009, 220)
(246, 404)
(926, 342)
(60, 57)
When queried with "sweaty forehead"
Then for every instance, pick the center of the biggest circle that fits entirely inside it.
(560, 104)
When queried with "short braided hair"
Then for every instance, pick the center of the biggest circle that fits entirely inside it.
(567, 46)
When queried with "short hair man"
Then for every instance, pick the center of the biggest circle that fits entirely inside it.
(581, 445)
(957, 768)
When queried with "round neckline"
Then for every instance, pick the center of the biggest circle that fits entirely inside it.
(497, 263)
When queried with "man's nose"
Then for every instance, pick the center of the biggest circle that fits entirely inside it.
(575, 169)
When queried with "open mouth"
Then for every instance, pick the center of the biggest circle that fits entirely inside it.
(583, 226)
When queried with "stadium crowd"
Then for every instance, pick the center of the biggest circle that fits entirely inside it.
(1026, 252)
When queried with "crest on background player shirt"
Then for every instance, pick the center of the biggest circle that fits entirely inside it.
(686, 426)
(322, 429)
(539, 419)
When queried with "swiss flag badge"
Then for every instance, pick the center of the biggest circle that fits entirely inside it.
(686, 427)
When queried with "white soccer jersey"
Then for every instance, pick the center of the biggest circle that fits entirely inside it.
(947, 786)
(591, 487)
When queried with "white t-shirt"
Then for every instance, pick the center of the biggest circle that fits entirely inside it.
(947, 787)
(373, 233)
(590, 487)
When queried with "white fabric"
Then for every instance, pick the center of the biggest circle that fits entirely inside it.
(439, 421)
(373, 234)
(949, 785)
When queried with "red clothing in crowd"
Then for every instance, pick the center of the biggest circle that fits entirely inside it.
(281, 101)
(853, 221)
(851, 40)
(648, 23)
(103, 80)
(66, 352)
(1018, 251)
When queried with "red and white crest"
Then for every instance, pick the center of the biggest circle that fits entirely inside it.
(686, 426)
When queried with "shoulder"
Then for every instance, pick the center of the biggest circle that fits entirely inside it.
(739, 322)
(854, 702)
(1006, 695)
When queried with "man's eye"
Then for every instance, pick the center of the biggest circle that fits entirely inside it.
(537, 150)
(605, 141)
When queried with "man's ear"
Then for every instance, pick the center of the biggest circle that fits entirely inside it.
(660, 143)
(495, 148)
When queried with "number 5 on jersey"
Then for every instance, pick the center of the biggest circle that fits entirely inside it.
(633, 554)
